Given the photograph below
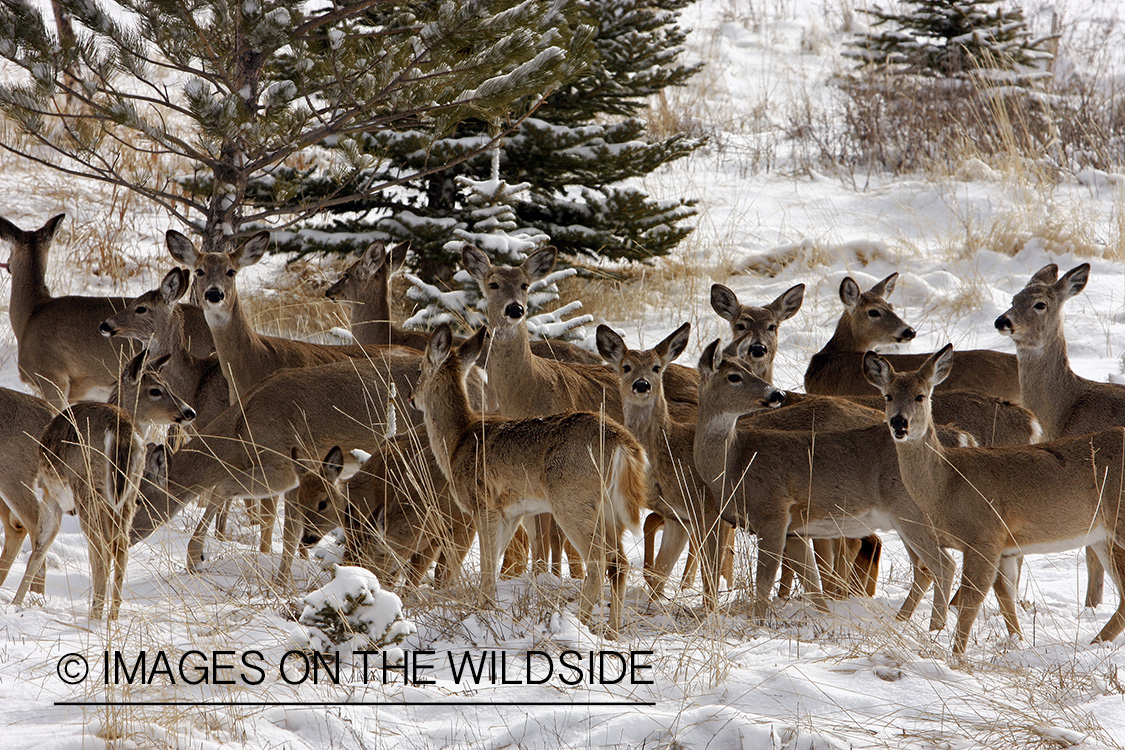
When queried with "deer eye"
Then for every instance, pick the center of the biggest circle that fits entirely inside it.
(493, 285)
(1040, 305)
(919, 398)
(322, 505)
(873, 313)
(155, 392)
(734, 377)
(626, 368)
(656, 368)
(141, 309)
(887, 397)
(740, 327)
(773, 326)
(523, 286)
(199, 272)
(230, 272)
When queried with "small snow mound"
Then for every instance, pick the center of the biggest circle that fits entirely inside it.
(975, 170)
(1097, 178)
(809, 253)
(353, 612)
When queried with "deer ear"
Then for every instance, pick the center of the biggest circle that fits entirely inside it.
(181, 248)
(1074, 281)
(135, 367)
(252, 250)
(885, 287)
(877, 370)
(156, 464)
(711, 358)
(396, 257)
(174, 285)
(725, 302)
(849, 292)
(610, 345)
(373, 257)
(333, 464)
(936, 369)
(440, 342)
(1048, 274)
(471, 349)
(47, 231)
(674, 344)
(787, 305)
(475, 262)
(540, 263)
(158, 364)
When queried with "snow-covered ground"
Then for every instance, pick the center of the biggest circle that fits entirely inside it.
(855, 678)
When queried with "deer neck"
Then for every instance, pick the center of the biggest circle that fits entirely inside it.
(512, 372)
(447, 418)
(1047, 384)
(650, 423)
(371, 318)
(923, 464)
(716, 438)
(843, 339)
(238, 347)
(29, 286)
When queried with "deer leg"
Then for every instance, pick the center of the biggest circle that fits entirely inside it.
(14, 534)
(978, 576)
(1115, 565)
(50, 518)
(671, 547)
(1095, 579)
(1005, 588)
(515, 554)
(653, 523)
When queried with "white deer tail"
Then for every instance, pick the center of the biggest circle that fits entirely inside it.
(628, 485)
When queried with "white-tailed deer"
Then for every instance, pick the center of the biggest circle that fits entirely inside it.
(311, 509)
(996, 504)
(366, 285)
(757, 327)
(583, 468)
(247, 452)
(246, 356)
(156, 318)
(526, 385)
(681, 497)
(91, 459)
(399, 513)
(24, 420)
(813, 484)
(60, 353)
(1065, 404)
(869, 321)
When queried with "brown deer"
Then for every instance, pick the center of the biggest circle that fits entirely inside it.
(1065, 404)
(757, 327)
(996, 504)
(24, 420)
(815, 484)
(157, 319)
(870, 321)
(247, 452)
(583, 468)
(366, 285)
(91, 459)
(246, 357)
(311, 509)
(60, 353)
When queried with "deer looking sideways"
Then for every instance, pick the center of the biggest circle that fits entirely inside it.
(996, 504)
(60, 353)
(588, 471)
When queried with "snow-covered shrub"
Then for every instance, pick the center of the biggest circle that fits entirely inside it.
(352, 612)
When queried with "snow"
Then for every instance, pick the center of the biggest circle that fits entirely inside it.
(963, 245)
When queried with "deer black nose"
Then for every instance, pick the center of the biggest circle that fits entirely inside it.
(908, 335)
(899, 425)
(777, 398)
(189, 413)
(514, 311)
(758, 350)
(214, 296)
(106, 329)
(309, 540)
(642, 386)
(1003, 323)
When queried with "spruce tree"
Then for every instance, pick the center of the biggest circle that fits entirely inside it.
(573, 152)
(234, 101)
(950, 39)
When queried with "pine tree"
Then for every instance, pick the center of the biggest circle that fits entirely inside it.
(573, 152)
(235, 100)
(951, 39)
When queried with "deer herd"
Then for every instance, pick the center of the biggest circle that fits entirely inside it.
(985, 453)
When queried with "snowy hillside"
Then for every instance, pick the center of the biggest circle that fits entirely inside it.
(217, 668)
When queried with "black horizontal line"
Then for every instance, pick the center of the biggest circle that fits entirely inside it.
(350, 703)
